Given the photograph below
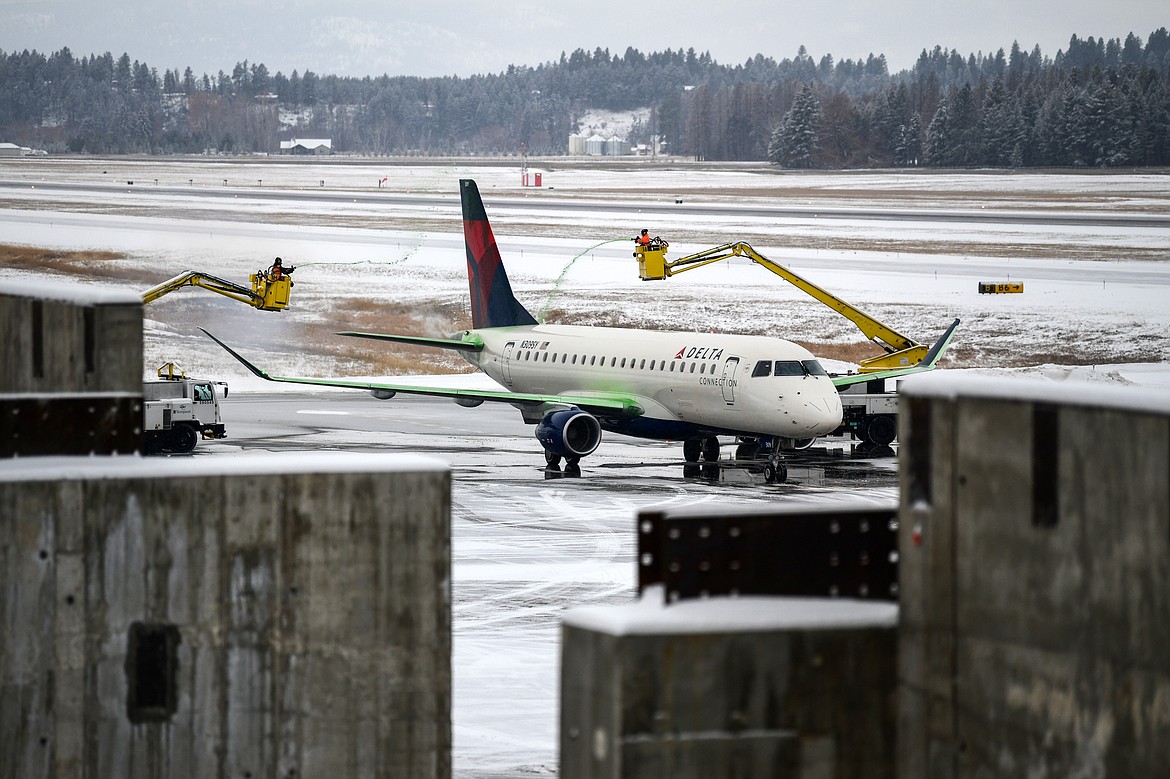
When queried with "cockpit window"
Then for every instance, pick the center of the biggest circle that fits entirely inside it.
(814, 368)
(789, 368)
(763, 368)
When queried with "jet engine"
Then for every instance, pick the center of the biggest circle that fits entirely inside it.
(382, 394)
(570, 433)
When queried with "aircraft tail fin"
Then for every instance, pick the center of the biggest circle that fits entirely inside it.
(492, 301)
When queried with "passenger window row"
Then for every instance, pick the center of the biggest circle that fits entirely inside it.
(674, 366)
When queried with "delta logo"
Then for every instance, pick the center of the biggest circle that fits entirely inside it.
(699, 353)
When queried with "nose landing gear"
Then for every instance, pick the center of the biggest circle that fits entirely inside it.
(775, 472)
(763, 455)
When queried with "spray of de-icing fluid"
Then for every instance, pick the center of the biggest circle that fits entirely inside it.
(565, 272)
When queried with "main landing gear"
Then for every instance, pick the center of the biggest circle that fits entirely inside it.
(707, 448)
(553, 464)
(554, 460)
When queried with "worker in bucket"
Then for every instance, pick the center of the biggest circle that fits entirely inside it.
(278, 271)
(643, 240)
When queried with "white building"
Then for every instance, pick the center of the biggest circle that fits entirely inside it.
(307, 146)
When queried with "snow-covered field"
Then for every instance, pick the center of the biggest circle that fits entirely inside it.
(1096, 308)
(1094, 295)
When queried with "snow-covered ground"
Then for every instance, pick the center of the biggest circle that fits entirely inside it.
(1096, 308)
(1094, 295)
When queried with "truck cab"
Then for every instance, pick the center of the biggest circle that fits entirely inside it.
(178, 411)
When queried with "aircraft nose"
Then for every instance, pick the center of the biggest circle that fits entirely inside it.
(822, 414)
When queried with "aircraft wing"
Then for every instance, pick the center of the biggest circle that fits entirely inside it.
(927, 363)
(473, 343)
(610, 405)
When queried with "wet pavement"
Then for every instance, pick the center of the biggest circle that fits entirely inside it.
(491, 444)
(529, 542)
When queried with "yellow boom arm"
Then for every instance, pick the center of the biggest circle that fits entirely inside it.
(900, 350)
(266, 294)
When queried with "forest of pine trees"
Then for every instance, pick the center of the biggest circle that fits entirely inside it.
(1098, 103)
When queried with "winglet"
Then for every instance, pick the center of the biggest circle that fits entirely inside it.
(933, 355)
(940, 346)
(235, 354)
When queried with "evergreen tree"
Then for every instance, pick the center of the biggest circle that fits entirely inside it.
(1156, 126)
(796, 142)
(1101, 103)
(939, 141)
(997, 126)
(964, 117)
(909, 149)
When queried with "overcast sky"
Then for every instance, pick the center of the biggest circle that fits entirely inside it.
(448, 37)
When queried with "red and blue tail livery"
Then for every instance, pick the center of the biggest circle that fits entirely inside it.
(492, 301)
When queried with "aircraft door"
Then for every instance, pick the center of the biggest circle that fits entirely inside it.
(507, 361)
(729, 370)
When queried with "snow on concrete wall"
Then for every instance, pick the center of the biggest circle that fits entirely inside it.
(1035, 555)
(230, 621)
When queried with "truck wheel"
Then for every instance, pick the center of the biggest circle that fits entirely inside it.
(882, 429)
(184, 438)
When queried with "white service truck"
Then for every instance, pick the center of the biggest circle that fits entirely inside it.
(178, 411)
(870, 412)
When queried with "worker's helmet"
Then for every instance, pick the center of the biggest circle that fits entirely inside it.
(645, 231)
(278, 261)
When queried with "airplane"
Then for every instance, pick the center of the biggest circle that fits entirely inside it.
(574, 382)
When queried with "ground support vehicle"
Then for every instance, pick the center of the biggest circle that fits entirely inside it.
(869, 413)
(178, 411)
(267, 293)
(900, 351)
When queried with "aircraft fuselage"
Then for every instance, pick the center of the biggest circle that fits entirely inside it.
(684, 382)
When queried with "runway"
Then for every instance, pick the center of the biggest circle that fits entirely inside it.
(545, 200)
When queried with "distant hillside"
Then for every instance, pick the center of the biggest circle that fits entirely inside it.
(1098, 103)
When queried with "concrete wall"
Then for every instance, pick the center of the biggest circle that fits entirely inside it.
(66, 338)
(269, 616)
(1035, 580)
(749, 687)
(70, 369)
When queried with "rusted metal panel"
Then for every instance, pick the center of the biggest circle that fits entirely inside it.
(95, 423)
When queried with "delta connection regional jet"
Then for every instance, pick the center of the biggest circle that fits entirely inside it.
(573, 382)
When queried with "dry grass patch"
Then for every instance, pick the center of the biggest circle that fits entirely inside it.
(380, 357)
(848, 352)
(92, 264)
